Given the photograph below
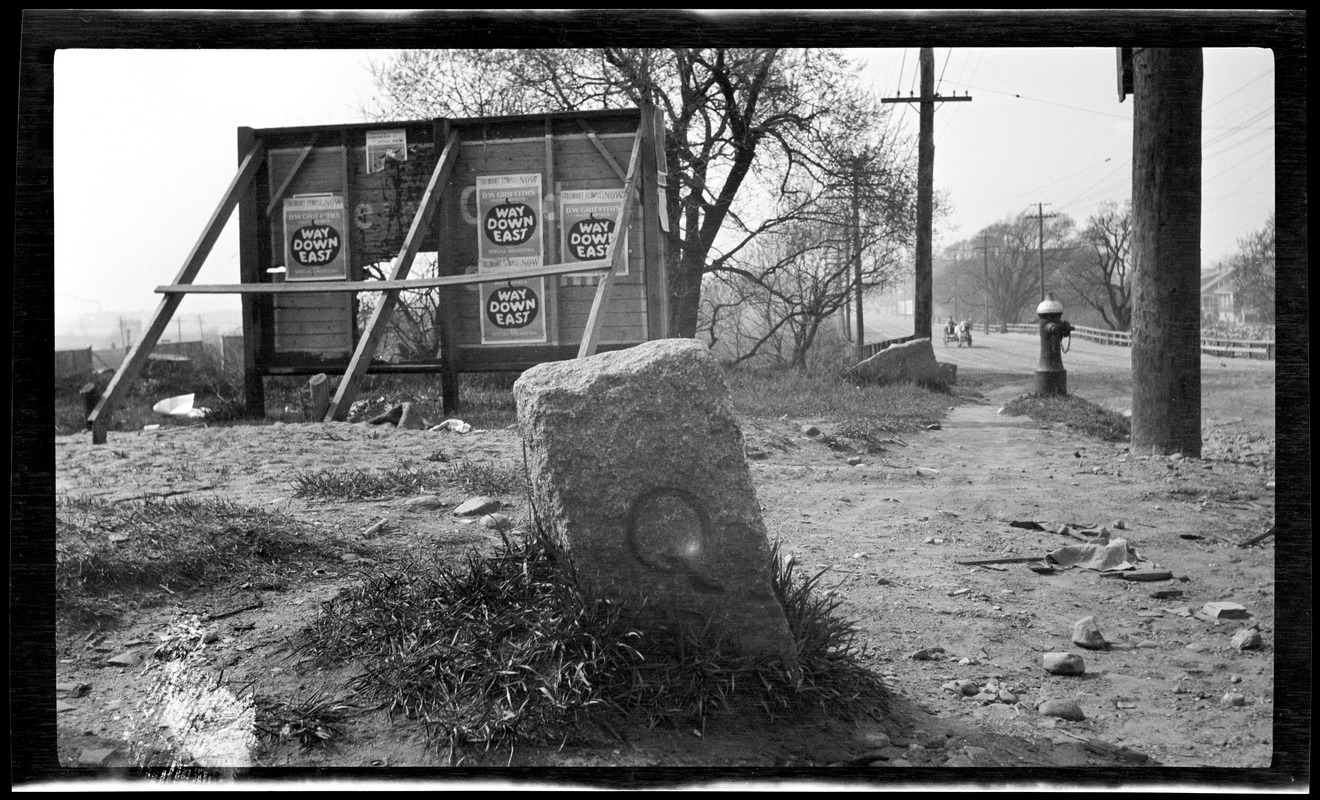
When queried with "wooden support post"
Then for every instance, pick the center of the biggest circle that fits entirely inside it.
(137, 359)
(591, 335)
(90, 395)
(318, 390)
(278, 197)
(380, 318)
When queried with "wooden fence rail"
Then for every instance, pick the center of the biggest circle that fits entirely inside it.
(1213, 346)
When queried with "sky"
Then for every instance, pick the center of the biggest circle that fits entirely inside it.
(145, 146)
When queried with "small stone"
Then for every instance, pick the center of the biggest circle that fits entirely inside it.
(959, 592)
(967, 687)
(927, 654)
(1148, 644)
(72, 689)
(424, 503)
(854, 461)
(927, 472)
(933, 427)
(1246, 639)
(1223, 609)
(1232, 700)
(985, 697)
(1063, 709)
(1086, 633)
(1005, 696)
(876, 741)
(350, 557)
(476, 506)
(61, 706)
(1118, 525)
(1063, 664)
(900, 762)
(127, 659)
(951, 687)
(810, 430)
(496, 522)
(97, 757)
(1235, 679)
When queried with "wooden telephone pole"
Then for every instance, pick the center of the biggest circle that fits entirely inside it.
(1166, 251)
(985, 279)
(1041, 216)
(922, 323)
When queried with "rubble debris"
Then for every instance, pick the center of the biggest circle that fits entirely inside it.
(71, 689)
(1146, 575)
(1223, 609)
(1063, 664)
(476, 506)
(1232, 700)
(1167, 594)
(96, 757)
(1086, 633)
(1245, 639)
(1063, 709)
(928, 654)
(927, 472)
(126, 659)
(810, 430)
(425, 502)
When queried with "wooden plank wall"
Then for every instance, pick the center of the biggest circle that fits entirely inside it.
(577, 165)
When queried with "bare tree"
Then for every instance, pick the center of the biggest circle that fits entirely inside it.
(732, 115)
(1253, 272)
(1004, 273)
(1101, 275)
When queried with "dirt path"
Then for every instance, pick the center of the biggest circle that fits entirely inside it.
(890, 538)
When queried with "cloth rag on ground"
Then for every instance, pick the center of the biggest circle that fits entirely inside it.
(1101, 554)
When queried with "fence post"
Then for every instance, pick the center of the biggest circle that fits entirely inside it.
(319, 389)
(91, 396)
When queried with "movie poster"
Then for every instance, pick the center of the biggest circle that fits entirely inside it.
(510, 237)
(315, 238)
(587, 220)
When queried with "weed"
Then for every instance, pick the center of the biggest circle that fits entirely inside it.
(314, 720)
(867, 411)
(1078, 414)
(493, 479)
(357, 484)
(512, 647)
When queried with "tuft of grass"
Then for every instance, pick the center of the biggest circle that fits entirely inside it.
(357, 484)
(506, 478)
(105, 549)
(1078, 414)
(512, 648)
(314, 721)
(808, 394)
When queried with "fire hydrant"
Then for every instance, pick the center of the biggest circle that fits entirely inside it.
(1051, 377)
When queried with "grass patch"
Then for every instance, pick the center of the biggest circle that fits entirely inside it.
(107, 549)
(313, 721)
(509, 648)
(809, 394)
(406, 478)
(504, 478)
(1078, 414)
(357, 484)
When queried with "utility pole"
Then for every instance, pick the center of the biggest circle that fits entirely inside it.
(922, 323)
(985, 280)
(1040, 218)
(1166, 251)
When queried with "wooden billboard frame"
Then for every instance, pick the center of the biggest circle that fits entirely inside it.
(640, 184)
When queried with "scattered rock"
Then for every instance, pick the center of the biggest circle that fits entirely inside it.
(1167, 594)
(1063, 664)
(810, 430)
(854, 461)
(933, 427)
(928, 654)
(98, 757)
(985, 698)
(1246, 639)
(1118, 525)
(126, 659)
(900, 762)
(906, 361)
(927, 472)
(426, 502)
(959, 592)
(1005, 696)
(1086, 633)
(967, 687)
(477, 505)
(497, 522)
(1063, 709)
(1223, 609)
(876, 741)
(455, 425)
(61, 707)
(71, 689)
(1232, 700)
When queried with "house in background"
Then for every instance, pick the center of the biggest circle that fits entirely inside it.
(1220, 301)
